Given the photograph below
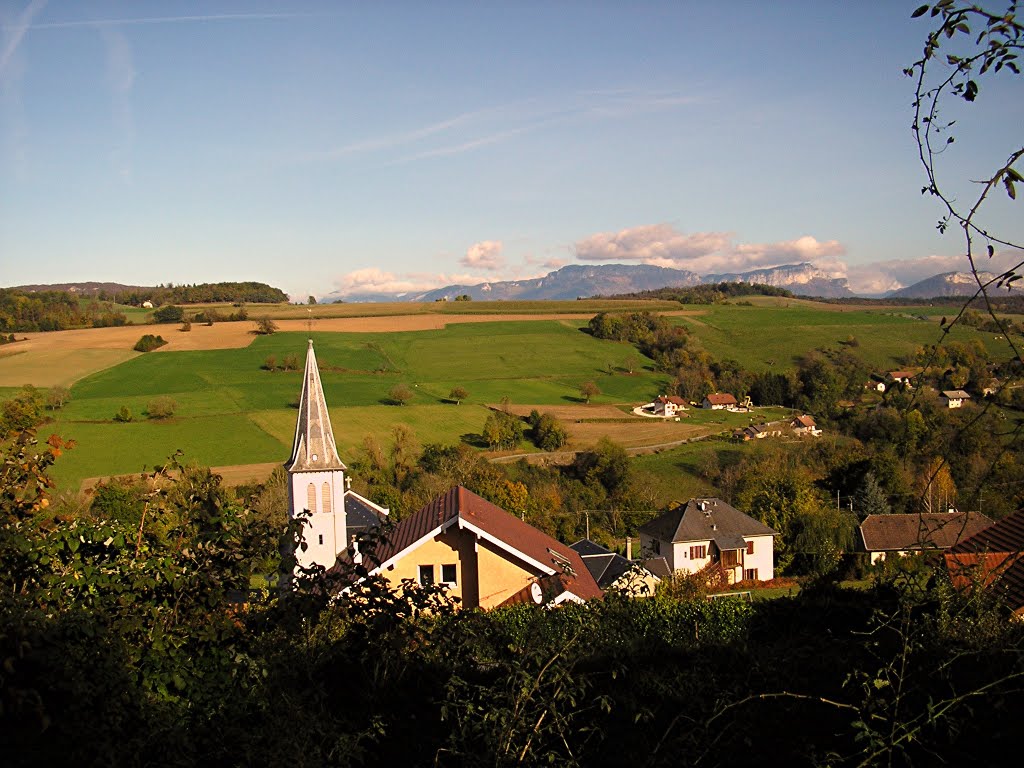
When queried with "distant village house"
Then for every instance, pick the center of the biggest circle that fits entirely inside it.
(705, 532)
(882, 536)
(955, 398)
(719, 401)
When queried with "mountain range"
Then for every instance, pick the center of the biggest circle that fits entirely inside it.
(946, 284)
(579, 280)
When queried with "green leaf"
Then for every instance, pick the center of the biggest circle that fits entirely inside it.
(919, 12)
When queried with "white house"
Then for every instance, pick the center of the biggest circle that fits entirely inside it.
(700, 532)
(900, 377)
(317, 482)
(955, 397)
(668, 406)
(804, 425)
(718, 401)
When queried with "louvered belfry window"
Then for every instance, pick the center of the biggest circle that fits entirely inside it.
(327, 498)
(311, 498)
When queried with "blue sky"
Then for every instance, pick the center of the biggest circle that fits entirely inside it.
(339, 147)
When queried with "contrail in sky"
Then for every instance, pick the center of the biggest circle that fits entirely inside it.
(18, 32)
(172, 19)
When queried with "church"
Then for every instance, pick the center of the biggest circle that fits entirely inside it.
(485, 556)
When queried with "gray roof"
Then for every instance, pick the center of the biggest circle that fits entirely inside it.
(704, 520)
(955, 394)
(313, 448)
(587, 547)
(360, 514)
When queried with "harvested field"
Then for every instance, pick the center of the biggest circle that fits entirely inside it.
(586, 424)
(570, 413)
(232, 475)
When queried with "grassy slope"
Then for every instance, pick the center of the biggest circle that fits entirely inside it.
(230, 411)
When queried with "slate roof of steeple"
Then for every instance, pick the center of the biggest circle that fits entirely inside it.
(313, 447)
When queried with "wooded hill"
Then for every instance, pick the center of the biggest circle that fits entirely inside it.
(82, 305)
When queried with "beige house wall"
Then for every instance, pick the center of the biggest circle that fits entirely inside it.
(486, 576)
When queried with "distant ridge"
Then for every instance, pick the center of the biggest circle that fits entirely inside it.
(584, 280)
(946, 284)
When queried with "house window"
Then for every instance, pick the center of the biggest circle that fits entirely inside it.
(426, 575)
(448, 574)
(327, 498)
(311, 498)
(750, 574)
(750, 547)
(698, 553)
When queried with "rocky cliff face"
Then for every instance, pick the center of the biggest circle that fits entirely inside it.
(802, 279)
(946, 284)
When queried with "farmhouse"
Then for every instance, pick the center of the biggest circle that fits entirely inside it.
(900, 377)
(668, 406)
(485, 555)
(705, 532)
(718, 401)
(317, 487)
(883, 535)
(803, 426)
(993, 558)
(955, 398)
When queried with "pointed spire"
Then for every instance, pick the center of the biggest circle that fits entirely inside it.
(313, 447)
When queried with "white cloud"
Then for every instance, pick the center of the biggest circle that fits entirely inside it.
(705, 252)
(484, 255)
(881, 276)
(374, 280)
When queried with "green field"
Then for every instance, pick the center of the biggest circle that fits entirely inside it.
(230, 411)
(760, 337)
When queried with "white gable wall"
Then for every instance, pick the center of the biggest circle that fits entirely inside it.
(678, 554)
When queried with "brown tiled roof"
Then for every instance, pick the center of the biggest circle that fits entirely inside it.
(674, 399)
(805, 421)
(936, 530)
(689, 522)
(723, 398)
(462, 504)
(998, 553)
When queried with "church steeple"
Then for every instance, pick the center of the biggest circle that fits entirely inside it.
(313, 448)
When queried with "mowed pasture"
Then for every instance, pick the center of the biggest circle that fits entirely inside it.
(230, 411)
(763, 337)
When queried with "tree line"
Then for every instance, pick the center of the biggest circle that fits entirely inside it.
(130, 633)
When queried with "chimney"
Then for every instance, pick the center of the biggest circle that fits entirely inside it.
(629, 547)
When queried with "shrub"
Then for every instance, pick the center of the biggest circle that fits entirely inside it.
(547, 432)
(123, 414)
(400, 394)
(148, 343)
(169, 314)
(161, 408)
(290, 363)
(186, 324)
(265, 326)
(270, 364)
